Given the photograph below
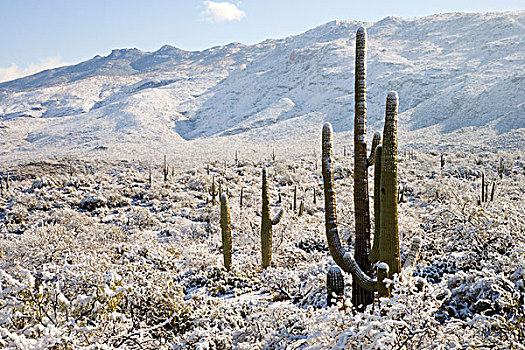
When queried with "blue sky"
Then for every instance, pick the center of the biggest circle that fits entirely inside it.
(39, 34)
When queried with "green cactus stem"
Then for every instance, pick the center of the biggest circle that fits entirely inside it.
(165, 169)
(241, 197)
(213, 191)
(501, 168)
(226, 230)
(389, 235)
(335, 285)
(267, 222)
(295, 198)
(301, 209)
(374, 253)
(149, 176)
(482, 187)
(315, 196)
(375, 142)
(442, 161)
(360, 297)
(492, 191)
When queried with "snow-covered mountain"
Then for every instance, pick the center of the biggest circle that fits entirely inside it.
(452, 71)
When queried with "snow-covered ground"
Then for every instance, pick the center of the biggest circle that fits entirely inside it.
(92, 256)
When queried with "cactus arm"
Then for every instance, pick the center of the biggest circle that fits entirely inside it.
(413, 253)
(374, 253)
(226, 230)
(332, 235)
(367, 283)
(389, 242)
(375, 142)
(277, 218)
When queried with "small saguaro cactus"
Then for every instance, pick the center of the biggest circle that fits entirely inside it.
(295, 198)
(335, 285)
(150, 179)
(165, 169)
(267, 223)
(442, 160)
(301, 209)
(226, 230)
(241, 197)
(213, 191)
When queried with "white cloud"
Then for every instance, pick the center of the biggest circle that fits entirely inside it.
(14, 71)
(221, 11)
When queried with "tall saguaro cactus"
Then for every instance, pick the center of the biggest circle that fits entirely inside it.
(226, 230)
(361, 297)
(267, 222)
(386, 242)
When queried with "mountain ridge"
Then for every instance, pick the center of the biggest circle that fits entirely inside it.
(453, 71)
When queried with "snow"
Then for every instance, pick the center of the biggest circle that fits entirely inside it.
(94, 256)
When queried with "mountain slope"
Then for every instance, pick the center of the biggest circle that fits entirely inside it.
(452, 71)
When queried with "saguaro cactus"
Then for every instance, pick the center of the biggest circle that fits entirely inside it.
(335, 285)
(226, 230)
(267, 223)
(361, 297)
(386, 244)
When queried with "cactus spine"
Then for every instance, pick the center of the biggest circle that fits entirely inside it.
(335, 285)
(267, 223)
(226, 230)
(361, 297)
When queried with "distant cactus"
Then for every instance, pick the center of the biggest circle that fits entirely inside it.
(165, 169)
(335, 285)
(267, 223)
(442, 161)
(301, 209)
(294, 198)
(226, 232)
(241, 197)
(150, 180)
(213, 191)
(315, 196)
(483, 187)
(7, 181)
(501, 168)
